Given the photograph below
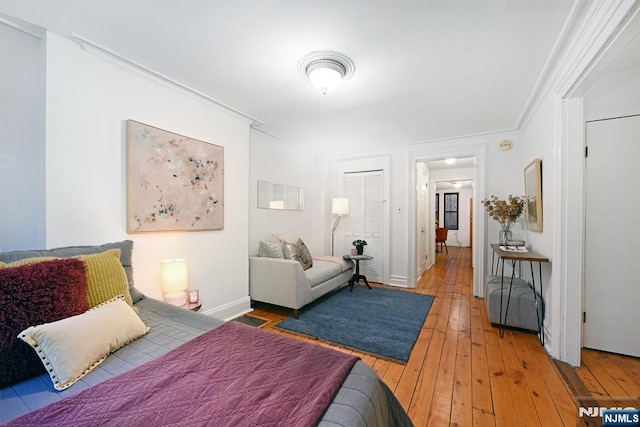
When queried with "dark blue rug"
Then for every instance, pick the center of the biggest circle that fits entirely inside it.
(377, 321)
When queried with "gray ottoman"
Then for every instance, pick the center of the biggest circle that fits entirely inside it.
(522, 307)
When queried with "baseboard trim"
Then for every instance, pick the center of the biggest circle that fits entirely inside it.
(231, 310)
(400, 281)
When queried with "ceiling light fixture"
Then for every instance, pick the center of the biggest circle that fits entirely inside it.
(450, 161)
(326, 69)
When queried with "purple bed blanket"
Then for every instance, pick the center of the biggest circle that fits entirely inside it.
(234, 375)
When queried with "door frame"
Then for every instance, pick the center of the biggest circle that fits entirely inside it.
(606, 32)
(439, 151)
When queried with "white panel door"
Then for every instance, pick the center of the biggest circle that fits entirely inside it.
(612, 249)
(366, 219)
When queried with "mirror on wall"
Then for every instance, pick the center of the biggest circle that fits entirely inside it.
(280, 196)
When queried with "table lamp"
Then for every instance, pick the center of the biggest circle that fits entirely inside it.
(174, 278)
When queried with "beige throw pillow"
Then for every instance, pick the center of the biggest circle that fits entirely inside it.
(70, 348)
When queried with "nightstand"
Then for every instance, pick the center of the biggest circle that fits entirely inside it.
(356, 275)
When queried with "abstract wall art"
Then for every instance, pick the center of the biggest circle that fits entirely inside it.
(174, 183)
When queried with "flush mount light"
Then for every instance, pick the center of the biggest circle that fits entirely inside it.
(326, 68)
(450, 161)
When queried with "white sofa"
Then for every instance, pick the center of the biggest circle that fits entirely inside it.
(283, 282)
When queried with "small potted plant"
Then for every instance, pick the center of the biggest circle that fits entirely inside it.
(359, 244)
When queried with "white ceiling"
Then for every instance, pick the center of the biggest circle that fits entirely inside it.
(460, 163)
(425, 70)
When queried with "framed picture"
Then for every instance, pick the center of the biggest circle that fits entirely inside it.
(533, 195)
(174, 183)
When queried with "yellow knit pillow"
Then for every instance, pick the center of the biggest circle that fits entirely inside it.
(106, 277)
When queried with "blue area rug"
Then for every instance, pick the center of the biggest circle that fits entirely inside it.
(378, 321)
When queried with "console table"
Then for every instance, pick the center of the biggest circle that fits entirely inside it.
(516, 258)
(357, 276)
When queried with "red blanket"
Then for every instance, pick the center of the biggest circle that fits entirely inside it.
(234, 375)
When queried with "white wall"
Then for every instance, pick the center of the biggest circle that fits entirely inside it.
(613, 95)
(539, 144)
(282, 163)
(88, 99)
(22, 221)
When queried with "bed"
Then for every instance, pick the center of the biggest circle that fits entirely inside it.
(360, 399)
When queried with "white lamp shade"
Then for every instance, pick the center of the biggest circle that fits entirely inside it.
(325, 77)
(174, 278)
(340, 206)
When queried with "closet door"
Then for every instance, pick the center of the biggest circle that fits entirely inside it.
(612, 236)
(366, 218)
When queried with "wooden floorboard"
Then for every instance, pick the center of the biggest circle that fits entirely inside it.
(461, 373)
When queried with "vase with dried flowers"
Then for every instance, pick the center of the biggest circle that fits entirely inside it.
(506, 212)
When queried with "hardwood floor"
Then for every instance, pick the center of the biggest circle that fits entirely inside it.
(604, 380)
(460, 372)
(612, 379)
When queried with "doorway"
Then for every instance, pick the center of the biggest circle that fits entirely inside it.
(442, 177)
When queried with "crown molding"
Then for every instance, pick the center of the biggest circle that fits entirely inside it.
(28, 32)
(588, 33)
(255, 128)
(550, 68)
(130, 65)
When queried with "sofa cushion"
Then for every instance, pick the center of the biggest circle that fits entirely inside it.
(322, 271)
(31, 294)
(125, 246)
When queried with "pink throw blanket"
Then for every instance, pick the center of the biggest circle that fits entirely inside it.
(343, 263)
(234, 375)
